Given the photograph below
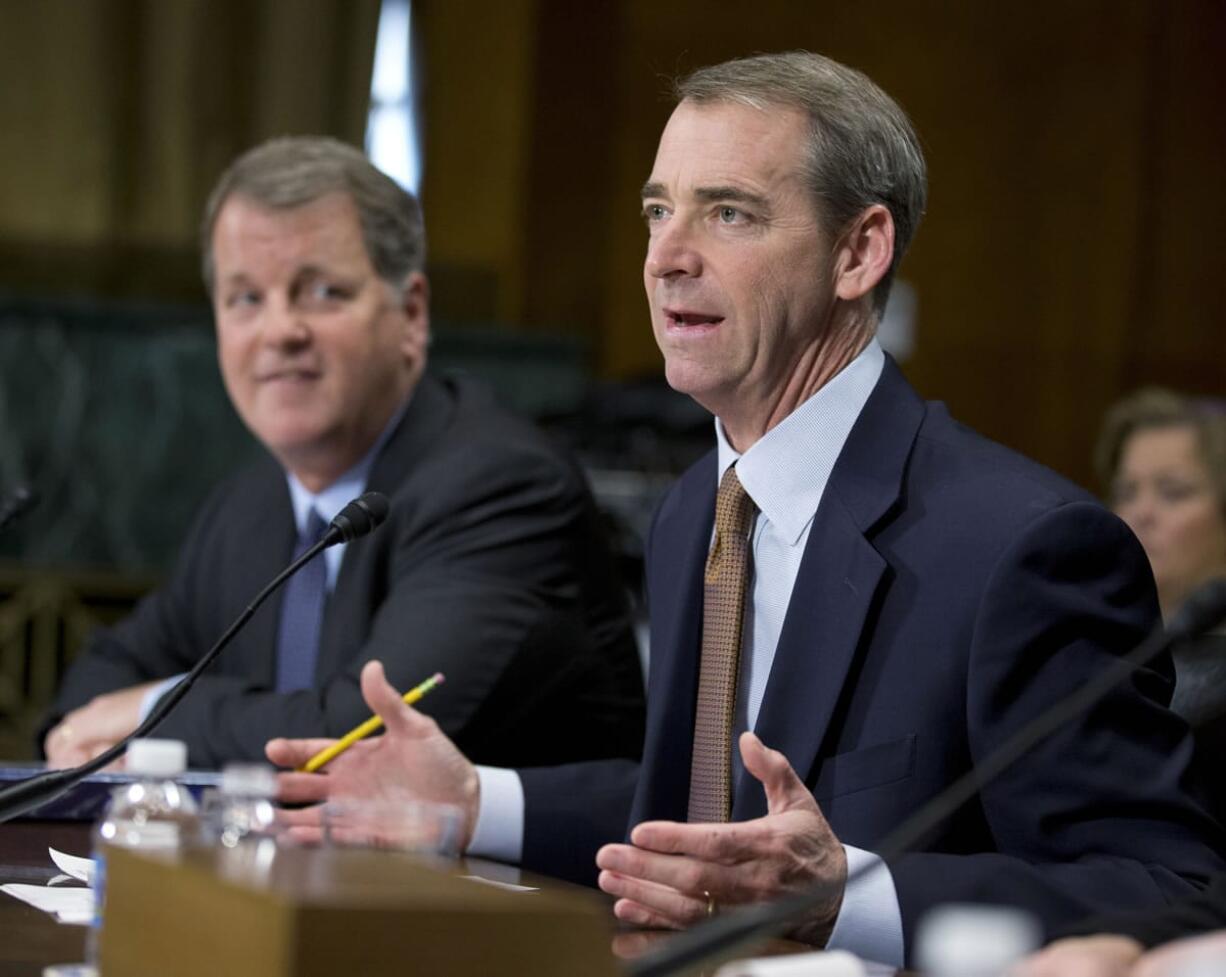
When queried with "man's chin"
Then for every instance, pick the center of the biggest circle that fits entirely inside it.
(296, 445)
(695, 381)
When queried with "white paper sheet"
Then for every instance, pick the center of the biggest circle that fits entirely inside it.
(81, 869)
(68, 903)
(74, 906)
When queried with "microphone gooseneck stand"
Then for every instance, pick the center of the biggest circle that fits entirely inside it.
(359, 517)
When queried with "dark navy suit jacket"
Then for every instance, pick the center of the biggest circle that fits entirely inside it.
(950, 590)
(491, 568)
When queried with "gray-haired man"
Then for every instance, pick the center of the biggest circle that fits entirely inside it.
(853, 598)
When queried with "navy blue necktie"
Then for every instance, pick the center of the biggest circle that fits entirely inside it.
(302, 613)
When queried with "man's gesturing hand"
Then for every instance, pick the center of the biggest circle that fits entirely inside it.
(413, 758)
(672, 874)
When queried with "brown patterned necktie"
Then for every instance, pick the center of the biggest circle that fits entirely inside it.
(723, 610)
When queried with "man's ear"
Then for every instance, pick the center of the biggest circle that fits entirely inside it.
(864, 253)
(415, 309)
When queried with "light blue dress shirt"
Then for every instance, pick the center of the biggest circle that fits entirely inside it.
(785, 473)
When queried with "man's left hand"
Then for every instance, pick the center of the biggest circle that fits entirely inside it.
(95, 727)
(673, 875)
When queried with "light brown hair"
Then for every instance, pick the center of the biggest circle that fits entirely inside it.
(1153, 408)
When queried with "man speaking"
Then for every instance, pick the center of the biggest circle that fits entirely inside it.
(490, 568)
(853, 598)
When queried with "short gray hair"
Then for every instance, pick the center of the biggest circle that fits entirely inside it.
(296, 170)
(862, 148)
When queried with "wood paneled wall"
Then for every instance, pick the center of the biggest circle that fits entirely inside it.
(1072, 246)
(1071, 252)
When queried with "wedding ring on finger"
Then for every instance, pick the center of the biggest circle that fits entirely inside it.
(712, 906)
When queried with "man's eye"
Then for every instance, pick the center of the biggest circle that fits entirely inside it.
(730, 215)
(237, 300)
(654, 212)
(326, 292)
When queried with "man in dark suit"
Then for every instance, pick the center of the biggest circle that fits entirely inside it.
(851, 579)
(491, 567)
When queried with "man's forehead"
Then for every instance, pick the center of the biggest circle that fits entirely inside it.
(246, 228)
(728, 144)
(328, 209)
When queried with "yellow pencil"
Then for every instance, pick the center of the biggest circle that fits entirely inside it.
(368, 727)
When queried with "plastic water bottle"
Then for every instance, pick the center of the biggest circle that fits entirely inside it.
(153, 813)
(241, 811)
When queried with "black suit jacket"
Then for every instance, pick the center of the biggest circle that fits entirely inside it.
(949, 591)
(491, 568)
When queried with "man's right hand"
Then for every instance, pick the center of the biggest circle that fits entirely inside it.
(413, 757)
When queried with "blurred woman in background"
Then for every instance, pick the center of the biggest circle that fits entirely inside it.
(1163, 458)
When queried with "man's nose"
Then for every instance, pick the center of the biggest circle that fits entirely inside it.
(284, 325)
(671, 252)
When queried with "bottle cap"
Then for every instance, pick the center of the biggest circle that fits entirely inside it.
(249, 780)
(156, 758)
(969, 941)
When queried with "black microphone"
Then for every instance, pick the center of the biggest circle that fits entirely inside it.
(358, 518)
(1205, 609)
(16, 504)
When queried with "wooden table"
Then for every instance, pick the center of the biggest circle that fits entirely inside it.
(31, 940)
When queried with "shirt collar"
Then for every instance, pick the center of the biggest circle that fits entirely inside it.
(786, 470)
(351, 484)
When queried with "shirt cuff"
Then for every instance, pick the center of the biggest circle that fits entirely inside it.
(151, 697)
(499, 831)
(869, 922)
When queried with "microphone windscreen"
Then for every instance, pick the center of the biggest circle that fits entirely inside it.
(1203, 610)
(361, 515)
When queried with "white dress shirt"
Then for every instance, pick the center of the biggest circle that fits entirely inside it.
(785, 473)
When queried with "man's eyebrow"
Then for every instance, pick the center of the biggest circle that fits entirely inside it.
(313, 270)
(714, 194)
(731, 194)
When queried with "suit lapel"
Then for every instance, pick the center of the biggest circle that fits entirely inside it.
(679, 542)
(269, 519)
(830, 601)
(828, 615)
(361, 582)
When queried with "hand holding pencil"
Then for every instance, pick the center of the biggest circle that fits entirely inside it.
(413, 758)
(373, 724)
